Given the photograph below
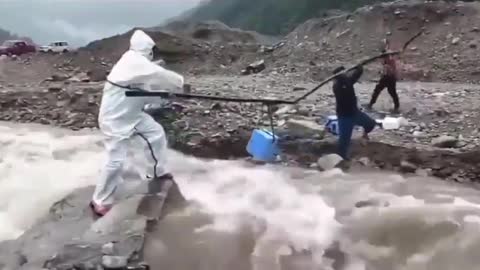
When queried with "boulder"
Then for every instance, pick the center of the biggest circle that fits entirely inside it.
(329, 162)
(445, 141)
(371, 203)
(97, 75)
(15, 261)
(54, 88)
(187, 88)
(365, 161)
(114, 262)
(80, 77)
(299, 88)
(108, 249)
(407, 167)
(305, 128)
(58, 78)
(255, 67)
(266, 49)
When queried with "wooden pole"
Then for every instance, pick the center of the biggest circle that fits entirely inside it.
(362, 63)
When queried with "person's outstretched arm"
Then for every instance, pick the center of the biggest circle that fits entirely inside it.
(162, 78)
(138, 70)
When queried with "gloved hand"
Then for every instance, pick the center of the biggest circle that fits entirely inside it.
(160, 62)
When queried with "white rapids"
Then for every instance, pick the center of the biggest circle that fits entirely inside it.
(412, 223)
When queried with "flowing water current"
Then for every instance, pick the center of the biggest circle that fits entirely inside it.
(371, 220)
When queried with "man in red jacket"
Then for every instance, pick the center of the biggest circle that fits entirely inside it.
(388, 80)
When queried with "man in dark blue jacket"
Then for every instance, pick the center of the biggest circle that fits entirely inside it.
(348, 113)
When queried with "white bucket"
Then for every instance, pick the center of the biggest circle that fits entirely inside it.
(332, 125)
(389, 123)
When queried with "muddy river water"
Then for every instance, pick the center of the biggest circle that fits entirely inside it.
(256, 214)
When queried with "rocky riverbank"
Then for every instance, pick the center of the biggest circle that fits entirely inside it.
(442, 118)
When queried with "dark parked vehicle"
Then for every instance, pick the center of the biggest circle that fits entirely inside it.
(16, 47)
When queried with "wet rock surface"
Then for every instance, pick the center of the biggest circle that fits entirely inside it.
(445, 142)
(329, 162)
(71, 237)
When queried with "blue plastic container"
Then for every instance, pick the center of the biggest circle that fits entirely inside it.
(263, 146)
(332, 124)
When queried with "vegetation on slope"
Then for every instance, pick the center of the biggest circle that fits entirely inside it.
(270, 16)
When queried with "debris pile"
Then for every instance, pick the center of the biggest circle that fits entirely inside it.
(443, 53)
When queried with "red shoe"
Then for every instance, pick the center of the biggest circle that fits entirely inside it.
(100, 210)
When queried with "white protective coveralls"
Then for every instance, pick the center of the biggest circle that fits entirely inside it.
(122, 117)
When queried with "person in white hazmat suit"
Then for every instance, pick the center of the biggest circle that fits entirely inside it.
(121, 118)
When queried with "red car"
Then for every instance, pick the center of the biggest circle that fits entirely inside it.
(16, 47)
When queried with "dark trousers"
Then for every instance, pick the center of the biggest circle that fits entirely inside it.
(389, 82)
(346, 125)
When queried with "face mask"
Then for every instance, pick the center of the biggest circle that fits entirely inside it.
(150, 56)
(155, 53)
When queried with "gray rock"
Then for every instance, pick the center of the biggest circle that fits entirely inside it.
(266, 49)
(216, 106)
(419, 134)
(423, 172)
(55, 88)
(13, 261)
(371, 203)
(74, 79)
(108, 249)
(19, 259)
(299, 88)
(97, 75)
(304, 110)
(58, 78)
(407, 167)
(85, 266)
(441, 112)
(445, 141)
(114, 262)
(305, 128)
(255, 67)
(81, 77)
(365, 161)
(187, 88)
(329, 162)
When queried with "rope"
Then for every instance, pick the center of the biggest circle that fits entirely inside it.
(272, 127)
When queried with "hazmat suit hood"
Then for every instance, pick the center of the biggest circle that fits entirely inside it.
(135, 67)
(142, 44)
